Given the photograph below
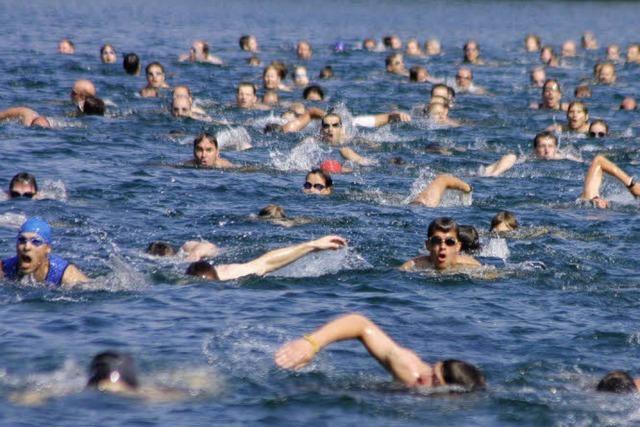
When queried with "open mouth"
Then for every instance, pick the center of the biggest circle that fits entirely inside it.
(442, 257)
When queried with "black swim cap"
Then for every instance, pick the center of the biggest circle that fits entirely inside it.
(113, 366)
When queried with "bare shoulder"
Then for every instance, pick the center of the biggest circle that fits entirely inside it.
(468, 261)
(72, 276)
(417, 263)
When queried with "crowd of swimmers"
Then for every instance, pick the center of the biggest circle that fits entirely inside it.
(450, 245)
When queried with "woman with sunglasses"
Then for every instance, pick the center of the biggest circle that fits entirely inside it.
(318, 182)
(23, 184)
(34, 259)
(443, 243)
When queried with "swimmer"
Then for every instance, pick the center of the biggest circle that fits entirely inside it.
(438, 113)
(405, 365)
(464, 82)
(532, 43)
(392, 42)
(34, 259)
(577, 119)
(443, 244)
(249, 43)
(569, 49)
(432, 194)
(182, 91)
(538, 77)
(267, 263)
(333, 166)
(444, 91)
(589, 41)
(254, 61)
(628, 104)
(418, 74)
(333, 131)
(413, 48)
(471, 51)
(108, 54)
(548, 57)
(598, 129)
(303, 50)
(605, 73)
(247, 97)
(369, 44)
(23, 185)
(551, 97)
(207, 155)
(93, 106)
(66, 47)
(155, 80)
(394, 64)
(272, 79)
(26, 116)
(618, 382)
(200, 52)
(613, 53)
(318, 182)
(131, 64)
(633, 53)
(593, 181)
(545, 147)
(191, 250)
(326, 73)
(182, 106)
(300, 77)
(313, 93)
(503, 221)
(583, 91)
(80, 91)
(432, 47)
(469, 239)
(271, 98)
(276, 215)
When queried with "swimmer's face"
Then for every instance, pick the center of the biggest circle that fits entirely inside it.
(369, 44)
(205, 153)
(155, 76)
(464, 78)
(181, 92)
(577, 116)
(313, 95)
(300, 76)
(413, 48)
(32, 252)
(271, 79)
(66, 48)
(633, 52)
(502, 227)
(332, 129)
(551, 94)
(22, 189)
(108, 55)
(252, 44)
(531, 44)
(569, 49)
(471, 52)
(440, 91)
(433, 47)
(538, 77)
(546, 54)
(396, 65)
(546, 148)
(396, 43)
(443, 249)
(438, 113)
(81, 89)
(607, 74)
(613, 52)
(628, 104)
(598, 130)
(271, 98)
(304, 50)
(315, 184)
(181, 107)
(246, 97)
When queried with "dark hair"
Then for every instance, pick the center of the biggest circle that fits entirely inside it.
(584, 106)
(471, 42)
(328, 182)
(545, 134)
(104, 364)
(202, 269)
(159, 248)
(582, 91)
(93, 106)
(244, 42)
(617, 382)
(413, 72)
(205, 48)
(151, 64)
(280, 68)
(249, 84)
(386, 40)
(506, 217)
(331, 113)
(311, 89)
(24, 177)
(469, 238)
(272, 212)
(203, 136)
(602, 122)
(549, 81)
(131, 63)
(273, 128)
(450, 90)
(444, 224)
(462, 373)
(326, 72)
(389, 58)
(104, 46)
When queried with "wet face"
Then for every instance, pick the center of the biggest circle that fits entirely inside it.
(546, 148)
(81, 89)
(633, 52)
(531, 44)
(538, 77)
(300, 76)
(577, 116)
(464, 78)
(607, 74)
(66, 48)
(471, 52)
(246, 97)
(252, 44)
(304, 50)
(315, 184)
(332, 129)
(396, 43)
(108, 55)
(546, 55)
(598, 130)
(613, 52)
(271, 79)
(205, 153)
(22, 189)
(443, 249)
(32, 252)
(155, 76)
(551, 94)
(433, 47)
(181, 107)
(628, 104)
(438, 113)
(396, 65)
(413, 48)
(569, 49)
(369, 44)
(181, 92)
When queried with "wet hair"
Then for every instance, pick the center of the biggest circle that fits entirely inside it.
(444, 224)
(280, 68)
(202, 137)
(617, 382)
(580, 103)
(273, 128)
(24, 178)
(544, 135)
(469, 238)
(203, 270)
(272, 212)
(105, 364)
(601, 122)
(326, 72)
(549, 81)
(93, 106)
(450, 90)
(328, 182)
(466, 45)
(104, 46)
(386, 40)
(151, 64)
(313, 89)
(271, 93)
(583, 91)
(205, 48)
(244, 42)
(463, 374)
(413, 72)
(331, 114)
(389, 58)
(247, 84)
(254, 60)
(505, 217)
(159, 248)
(131, 63)
(534, 37)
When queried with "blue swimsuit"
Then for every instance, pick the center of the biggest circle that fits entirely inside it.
(57, 267)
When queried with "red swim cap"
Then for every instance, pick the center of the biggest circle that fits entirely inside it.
(331, 166)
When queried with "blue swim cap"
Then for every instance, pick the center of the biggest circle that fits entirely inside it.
(39, 226)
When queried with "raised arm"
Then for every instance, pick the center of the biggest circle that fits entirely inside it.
(431, 196)
(501, 166)
(26, 115)
(593, 179)
(297, 124)
(278, 258)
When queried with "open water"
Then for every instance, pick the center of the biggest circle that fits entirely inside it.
(561, 310)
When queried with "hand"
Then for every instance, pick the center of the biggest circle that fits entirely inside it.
(294, 354)
(329, 242)
(195, 250)
(399, 117)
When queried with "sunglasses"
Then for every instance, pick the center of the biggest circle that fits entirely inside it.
(597, 134)
(15, 194)
(331, 125)
(437, 241)
(35, 241)
(308, 186)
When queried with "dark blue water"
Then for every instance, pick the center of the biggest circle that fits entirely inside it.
(543, 336)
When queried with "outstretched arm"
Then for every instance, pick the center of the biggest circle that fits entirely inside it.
(402, 363)
(431, 196)
(593, 179)
(297, 124)
(26, 115)
(501, 166)
(274, 260)
(354, 157)
(378, 120)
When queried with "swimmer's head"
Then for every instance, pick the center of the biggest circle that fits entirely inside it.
(39, 227)
(80, 90)
(395, 63)
(598, 129)
(606, 73)
(248, 43)
(181, 107)
(205, 150)
(617, 382)
(332, 129)
(23, 184)
(418, 74)
(437, 112)
(413, 47)
(577, 115)
(303, 50)
(504, 221)
(532, 43)
(313, 93)
(628, 103)
(471, 51)
(464, 77)
(369, 44)
(272, 212)
(66, 47)
(108, 54)
(589, 41)
(583, 91)
(469, 238)
(318, 182)
(159, 248)
(443, 242)
(432, 47)
(463, 374)
(569, 49)
(246, 95)
(33, 246)
(131, 64)
(271, 77)
(444, 91)
(300, 77)
(271, 97)
(41, 121)
(551, 93)
(112, 371)
(545, 145)
(203, 270)
(155, 75)
(254, 61)
(538, 76)
(392, 42)
(613, 52)
(93, 106)
(273, 128)
(547, 54)
(326, 72)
